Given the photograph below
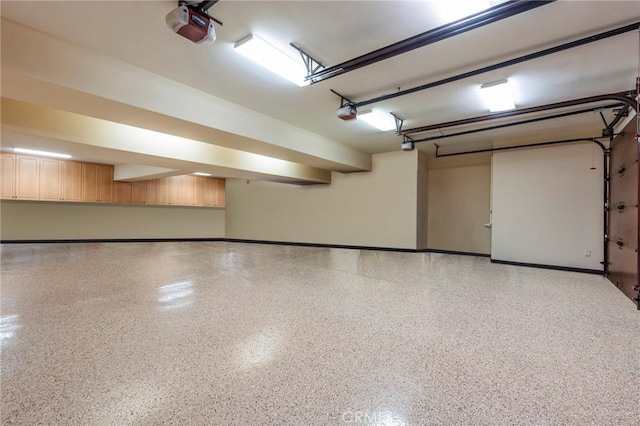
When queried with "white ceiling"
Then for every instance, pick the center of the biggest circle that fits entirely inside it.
(334, 31)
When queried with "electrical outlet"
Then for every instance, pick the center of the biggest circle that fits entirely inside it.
(587, 253)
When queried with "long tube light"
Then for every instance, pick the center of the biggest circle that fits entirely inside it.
(451, 10)
(273, 59)
(42, 153)
(377, 119)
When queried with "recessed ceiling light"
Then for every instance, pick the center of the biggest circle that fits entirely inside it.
(273, 59)
(380, 120)
(43, 153)
(202, 174)
(497, 95)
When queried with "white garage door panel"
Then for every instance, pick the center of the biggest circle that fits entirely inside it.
(547, 206)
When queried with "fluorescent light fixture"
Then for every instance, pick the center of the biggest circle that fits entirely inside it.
(42, 153)
(497, 95)
(273, 59)
(452, 10)
(380, 120)
(202, 174)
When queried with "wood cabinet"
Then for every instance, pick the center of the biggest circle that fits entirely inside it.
(220, 193)
(27, 177)
(175, 190)
(7, 175)
(138, 192)
(51, 182)
(211, 186)
(151, 191)
(162, 191)
(199, 186)
(97, 183)
(89, 182)
(122, 192)
(188, 189)
(142, 192)
(105, 183)
(71, 181)
(46, 179)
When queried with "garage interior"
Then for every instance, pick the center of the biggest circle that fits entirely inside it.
(224, 245)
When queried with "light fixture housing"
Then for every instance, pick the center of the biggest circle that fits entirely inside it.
(202, 174)
(41, 153)
(380, 120)
(273, 59)
(497, 95)
(347, 112)
(407, 146)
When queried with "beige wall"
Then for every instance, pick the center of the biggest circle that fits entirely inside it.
(547, 206)
(376, 208)
(33, 220)
(459, 203)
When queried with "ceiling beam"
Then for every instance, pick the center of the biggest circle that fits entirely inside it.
(108, 84)
(48, 122)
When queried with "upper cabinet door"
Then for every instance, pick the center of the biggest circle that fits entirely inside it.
(151, 191)
(50, 179)
(122, 192)
(137, 192)
(188, 190)
(162, 191)
(210, 188)
(175, 190)
(27, 182)
(71, 181)
(89, 182)
(220, 193)
(105, 183)
(199, 186)
(7, 175)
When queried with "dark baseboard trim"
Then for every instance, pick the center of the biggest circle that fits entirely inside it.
(554, 267)
(352, 247)
(318, 245)
(459, 253)
(111, 240)
(240, 240)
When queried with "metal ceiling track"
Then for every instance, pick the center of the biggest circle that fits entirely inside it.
(562, 47)
(626, 98)
(486, 17)
(530, 145)
(202, 8)
(608, 126)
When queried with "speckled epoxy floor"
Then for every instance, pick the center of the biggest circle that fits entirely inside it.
(241, 334)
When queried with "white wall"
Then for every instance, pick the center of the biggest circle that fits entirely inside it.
(376, 208)
(548, 206)
(459, 203)
(37, 220)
